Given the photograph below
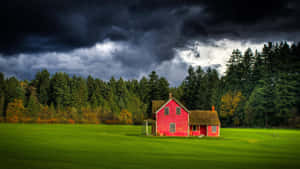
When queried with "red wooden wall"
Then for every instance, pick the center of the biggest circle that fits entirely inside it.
(163, 121)
(201, 130)
(194, 133)
(210, 133)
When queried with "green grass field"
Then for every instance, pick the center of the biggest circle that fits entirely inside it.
(30, 146)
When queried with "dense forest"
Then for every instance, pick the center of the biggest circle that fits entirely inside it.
(258, 89)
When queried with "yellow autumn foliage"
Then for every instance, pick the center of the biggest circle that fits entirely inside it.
(15, 111)
(125, 117)
(229, 103)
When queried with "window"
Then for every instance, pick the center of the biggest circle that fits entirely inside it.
(214, 129)
(194, 128)
(166, 110)
(178, 110)
(172, 127)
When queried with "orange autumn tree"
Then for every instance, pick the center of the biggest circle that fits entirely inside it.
(125, 117)
(229, 104)
(15, 111)
(91, 115)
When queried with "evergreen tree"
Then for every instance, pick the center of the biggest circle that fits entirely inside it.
(14, 90)
(60, 90)
(143, 90)
(200, 90)
(234, 71)
(247, 64)
(260, 107)
(33, 106)
(2, 94)
(154, 86)
(79, 92)
(121, 94)
(212, 83)
(258, 69)
(286, 98)
(42, 84)
(154, 91)
(163, 88)
(189, 86)
(91, 87)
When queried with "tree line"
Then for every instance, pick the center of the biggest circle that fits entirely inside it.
(258, 89)
(64, 99)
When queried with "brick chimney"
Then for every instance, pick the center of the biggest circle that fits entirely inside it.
(212, 108)
(170, 95)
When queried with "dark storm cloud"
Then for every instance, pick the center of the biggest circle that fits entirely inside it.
(149, 30)
(33, 26)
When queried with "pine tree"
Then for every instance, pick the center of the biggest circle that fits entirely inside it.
(14, 90)
(189, 86)
(234, 71)
(163, 88)
(2, 95)
(33, 106)
(121, 94)
(200, 90)
(42, 84)
(154, 91)
(79, 92)
(247, 64)
(260, 107)
(60, 89)
(144, 90)
(211, 87)
(154, 86)
(258, 69)
(286, 98)
(91, 87)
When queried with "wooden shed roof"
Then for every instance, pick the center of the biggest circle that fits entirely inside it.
(204, 117)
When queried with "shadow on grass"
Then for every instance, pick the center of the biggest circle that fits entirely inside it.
(174, 137)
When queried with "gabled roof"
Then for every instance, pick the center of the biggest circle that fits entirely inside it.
(204, 117)
(157, 105)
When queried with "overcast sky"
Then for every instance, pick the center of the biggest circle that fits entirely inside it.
(130, 38)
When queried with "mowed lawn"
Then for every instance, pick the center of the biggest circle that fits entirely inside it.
(42, 146)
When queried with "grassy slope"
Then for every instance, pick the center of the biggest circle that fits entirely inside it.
(102, 146)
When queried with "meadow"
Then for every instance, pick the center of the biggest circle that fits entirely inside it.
(43, 146)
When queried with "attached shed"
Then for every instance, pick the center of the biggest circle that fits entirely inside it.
(204, 122)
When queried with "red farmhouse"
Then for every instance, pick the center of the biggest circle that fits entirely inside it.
(173, 119)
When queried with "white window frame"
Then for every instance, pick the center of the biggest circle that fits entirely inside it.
(178, 109)
(167, 108)
(213, 129)
(174, 127)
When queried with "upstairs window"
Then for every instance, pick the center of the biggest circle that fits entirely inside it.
(166, 110)
(214, 129)
(172, 127)
(178, 110)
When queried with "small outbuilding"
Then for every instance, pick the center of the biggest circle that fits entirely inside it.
(171, 118)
